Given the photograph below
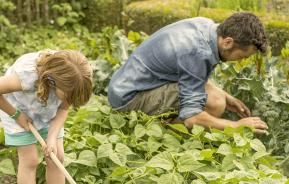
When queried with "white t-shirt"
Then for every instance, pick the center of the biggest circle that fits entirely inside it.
(26, 100)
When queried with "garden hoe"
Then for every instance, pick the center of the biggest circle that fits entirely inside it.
(52, 155)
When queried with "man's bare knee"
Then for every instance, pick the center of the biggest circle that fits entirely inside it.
(216, 101)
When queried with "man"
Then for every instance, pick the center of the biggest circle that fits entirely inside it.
(170, 70)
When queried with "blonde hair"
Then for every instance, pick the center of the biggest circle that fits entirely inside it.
(69, 71)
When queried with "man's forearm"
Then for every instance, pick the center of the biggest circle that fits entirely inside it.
(209, 121)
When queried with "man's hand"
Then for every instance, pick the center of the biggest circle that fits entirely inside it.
(23, 121)
(256, 123)
(237, 106)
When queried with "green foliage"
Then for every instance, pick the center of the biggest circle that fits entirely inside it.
(151, 15)
(278, 33)
(218, 15)
(67, 16)
(7, 164)
(102, 13)
(251, 5)
(106, 146)
(263, 86)
(17, 41)
(114, 49)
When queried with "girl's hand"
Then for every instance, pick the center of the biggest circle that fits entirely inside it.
(23, 121)
(51, 146)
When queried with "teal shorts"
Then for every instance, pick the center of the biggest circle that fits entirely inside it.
(27, 138)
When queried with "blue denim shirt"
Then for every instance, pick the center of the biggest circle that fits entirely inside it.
(185, 52)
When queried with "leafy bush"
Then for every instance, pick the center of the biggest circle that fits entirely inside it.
(263, 86)
(67, 16)
(151, 15)
(251, 5)
(19, 40)
(278, 33)
(102, 13)
(114, 50)
(103, 146)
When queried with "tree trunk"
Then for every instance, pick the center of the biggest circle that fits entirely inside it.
(46, 11)
(37, 11)
(28, 12)
(19, 12)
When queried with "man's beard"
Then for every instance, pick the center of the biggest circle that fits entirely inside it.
(221, 53)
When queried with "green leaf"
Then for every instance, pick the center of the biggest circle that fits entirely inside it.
(197, 130)
(187, 163)
(227, 163)
(118, 158)
(119, 171)
(102, 139)
(180, 128)
(104, 150)
(211, 175)
(267, 170)
(163, 160)
(105, 109)
(239, 140)
(239, 165)
(248, 133)
(123, 149)
(92, 141)
(248, 162)
(61, 21)
(257, 145)
(215, 137)
(260, 154)
(153, 144)
(7, 167)
(170, 141)
(139, 130)
(116, 121)
(196, 144)
(114, 139)
(87, 157)
(132, 119)
(198, 181)
(69, 158)
(241, 175)
(207, 153)
(171, 178)
(2, 136)
(224, 149)
(154, 130)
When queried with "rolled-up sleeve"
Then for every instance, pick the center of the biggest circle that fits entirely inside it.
(193, 70)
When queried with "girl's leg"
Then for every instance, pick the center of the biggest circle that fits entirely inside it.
(53, 174)
(28, 161)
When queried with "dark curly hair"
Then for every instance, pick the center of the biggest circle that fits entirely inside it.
(246, 29)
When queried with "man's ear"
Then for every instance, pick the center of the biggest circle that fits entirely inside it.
(228, 43)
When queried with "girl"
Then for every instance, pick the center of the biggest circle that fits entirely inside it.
(39, 87)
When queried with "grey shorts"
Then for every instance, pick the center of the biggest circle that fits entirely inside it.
(155, 101)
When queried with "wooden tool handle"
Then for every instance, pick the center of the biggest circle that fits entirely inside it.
(52, 155)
